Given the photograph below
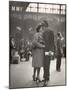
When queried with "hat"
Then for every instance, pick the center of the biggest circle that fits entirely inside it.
(44, 23)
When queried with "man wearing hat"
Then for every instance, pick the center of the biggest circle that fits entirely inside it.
(48, 37)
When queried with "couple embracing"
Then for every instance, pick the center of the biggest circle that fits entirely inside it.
(42, 44)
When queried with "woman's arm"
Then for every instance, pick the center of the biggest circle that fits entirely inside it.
(37, 43)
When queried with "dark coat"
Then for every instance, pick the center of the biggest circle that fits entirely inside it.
(48, 37)
(59, 47)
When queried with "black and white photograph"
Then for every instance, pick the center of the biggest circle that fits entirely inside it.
(37, 44)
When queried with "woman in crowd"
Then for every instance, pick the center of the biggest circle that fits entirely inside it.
(37, 52)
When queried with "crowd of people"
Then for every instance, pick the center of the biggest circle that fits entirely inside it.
(43, 49)
(21, 52)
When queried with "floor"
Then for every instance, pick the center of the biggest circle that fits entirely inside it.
(21, 75)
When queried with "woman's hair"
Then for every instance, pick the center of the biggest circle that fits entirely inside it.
(38, 28)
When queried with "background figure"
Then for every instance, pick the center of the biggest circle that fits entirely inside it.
(48, 36)
(16, 58)
(59, 51)
(23, 49)
(12, 48)
(37, 53)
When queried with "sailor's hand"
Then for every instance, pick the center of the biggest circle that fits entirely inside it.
(51, 53)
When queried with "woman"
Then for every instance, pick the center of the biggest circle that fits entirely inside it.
(37, 52)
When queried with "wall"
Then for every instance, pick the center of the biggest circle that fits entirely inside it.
(30, 20)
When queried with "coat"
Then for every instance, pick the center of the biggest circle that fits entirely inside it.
(37, 51)
(48, 37)
(59, 47)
